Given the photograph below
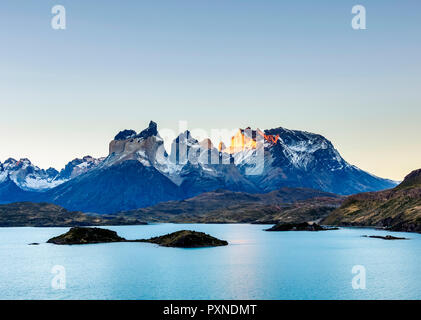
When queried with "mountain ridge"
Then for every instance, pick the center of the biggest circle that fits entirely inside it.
(397, 209)
(223, 206)
(138, 172)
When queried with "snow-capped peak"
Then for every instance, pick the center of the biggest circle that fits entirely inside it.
(143, 147)
(27, 176)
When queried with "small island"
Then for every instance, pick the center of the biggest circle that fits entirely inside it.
(388, 237)
(187, 239)
(79, 235)
(304, 226)
(179, 239)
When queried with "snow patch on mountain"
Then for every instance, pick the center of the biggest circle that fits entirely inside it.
(29, 177)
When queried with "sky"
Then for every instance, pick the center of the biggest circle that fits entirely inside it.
(217, 64)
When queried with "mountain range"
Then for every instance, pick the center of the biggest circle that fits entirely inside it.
(138, 172)
(29, 177)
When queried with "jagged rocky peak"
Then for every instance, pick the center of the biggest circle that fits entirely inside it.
(299, 140)
(78, 166)
(23, 162)
(13, 164)
(125, 134)
(10, 161)
(126, 139)
(303, 150)
(150, 131)
(88, 159)
(28, 176)
(52, 172)
(143, 147)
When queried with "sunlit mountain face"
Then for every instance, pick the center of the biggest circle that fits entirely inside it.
(241, 141)
(247, 139)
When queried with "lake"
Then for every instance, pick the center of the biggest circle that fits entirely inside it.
(256, 265)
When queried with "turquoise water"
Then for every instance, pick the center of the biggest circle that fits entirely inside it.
(256, 265)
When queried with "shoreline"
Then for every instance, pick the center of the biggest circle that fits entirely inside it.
(210, 223)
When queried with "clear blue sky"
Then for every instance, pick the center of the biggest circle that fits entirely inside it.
(216, 64)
